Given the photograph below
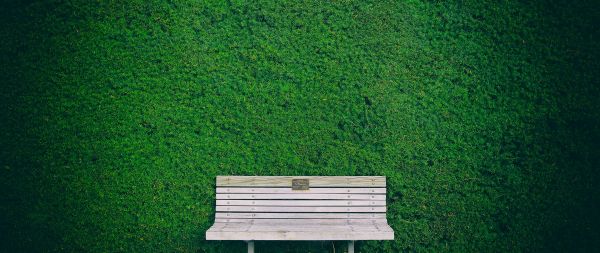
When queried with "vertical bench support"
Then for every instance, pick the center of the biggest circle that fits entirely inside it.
(251, 246)
(351, 247)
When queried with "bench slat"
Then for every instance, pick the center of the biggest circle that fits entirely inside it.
(340, 228)
(302, 209)
(309, 191)
(277, 222)
(302, 196)
(300, 236)
(316, 181)
(300, 215)
(300, 203)
(300, 226)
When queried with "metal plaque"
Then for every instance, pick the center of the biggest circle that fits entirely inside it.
(300, 184)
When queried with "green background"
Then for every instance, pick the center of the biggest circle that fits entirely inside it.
(116, 116)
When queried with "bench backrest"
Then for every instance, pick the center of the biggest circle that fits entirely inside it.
(343, 198)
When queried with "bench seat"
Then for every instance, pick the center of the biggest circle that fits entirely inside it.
(300, 229)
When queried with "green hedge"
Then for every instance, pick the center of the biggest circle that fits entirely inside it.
(116, 116)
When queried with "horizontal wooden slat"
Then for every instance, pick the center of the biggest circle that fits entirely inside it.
(302, 196)
(321, 222)
(289, 190)
(288, 228)
(301, 225)
(301, 209)
(300, 215)
(316, 181)
(300, 203)
(299, 236)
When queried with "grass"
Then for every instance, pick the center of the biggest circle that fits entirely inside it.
(116, 116)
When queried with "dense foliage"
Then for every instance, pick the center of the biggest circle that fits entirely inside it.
(116, 116)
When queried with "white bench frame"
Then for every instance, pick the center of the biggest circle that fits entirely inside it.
(251, 208)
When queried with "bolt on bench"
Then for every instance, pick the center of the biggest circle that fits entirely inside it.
(255, 208)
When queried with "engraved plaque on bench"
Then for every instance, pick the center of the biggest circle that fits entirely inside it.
(300, 184)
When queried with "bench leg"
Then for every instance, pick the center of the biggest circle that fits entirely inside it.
(250, 246)
(351, 247)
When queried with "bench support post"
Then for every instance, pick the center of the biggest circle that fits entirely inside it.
(251, 246)
(351, 247)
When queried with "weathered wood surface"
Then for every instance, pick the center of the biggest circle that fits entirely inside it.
(302, 230)
(303, 221)
(286, 181)
(303, 209)
(269, 190)
(305, 228)
(300, 203)
(302, 196)
(300, 215)
(333, 208)
(321, 235)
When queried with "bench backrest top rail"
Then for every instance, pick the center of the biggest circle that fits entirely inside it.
(315, 181)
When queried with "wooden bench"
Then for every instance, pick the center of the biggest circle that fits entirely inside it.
(253, 208)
